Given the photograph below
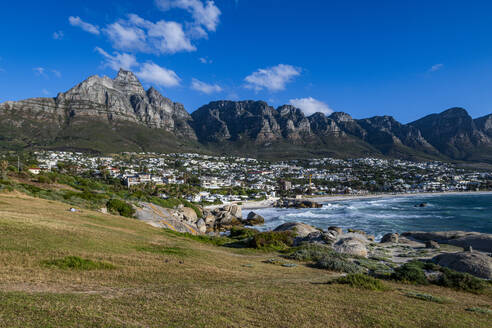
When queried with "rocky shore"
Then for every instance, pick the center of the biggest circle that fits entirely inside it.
(468, 252)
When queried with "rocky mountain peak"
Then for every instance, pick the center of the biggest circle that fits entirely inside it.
(341, 117)
(128, 83)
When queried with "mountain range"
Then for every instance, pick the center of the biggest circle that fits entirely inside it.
(116, 115)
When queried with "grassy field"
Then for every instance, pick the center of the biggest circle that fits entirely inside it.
(140, 276)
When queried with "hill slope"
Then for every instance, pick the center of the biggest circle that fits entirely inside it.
(161, 279)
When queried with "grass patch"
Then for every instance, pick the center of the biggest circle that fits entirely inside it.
(213, 240)
(426, 297)
(479, 310)
(361, 281)
(161, 249)
(78, 263)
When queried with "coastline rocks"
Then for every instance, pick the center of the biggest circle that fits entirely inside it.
(201, 225)
(300, 229)
(254, 219)
(432, 244)
(474, 263)
(390, 238)
(296, 203)
(352, 245)
(479, 241)
(189, 214)
(338, 230)
(318, 237)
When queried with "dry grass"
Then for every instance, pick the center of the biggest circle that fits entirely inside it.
(162, 280)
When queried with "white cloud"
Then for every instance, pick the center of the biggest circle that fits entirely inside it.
(138, 34)
(205, 87)
(204, 13)
(272, 78)
(45, 92)
(58, 35)
(435, 68)
(155, 74)
(204, 60)
(39, 71)
(56, 73)
(310, 106)
(118, 60)
(76, 21)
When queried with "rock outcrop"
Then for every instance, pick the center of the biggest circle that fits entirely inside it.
(352, 244)
(477, 240)
(300, 229)
(474, 263)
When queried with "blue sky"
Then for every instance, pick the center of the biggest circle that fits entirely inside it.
(401, 58)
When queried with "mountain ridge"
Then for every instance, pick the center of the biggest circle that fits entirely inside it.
(111, 115)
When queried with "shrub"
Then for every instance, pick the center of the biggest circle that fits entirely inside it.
(479, 310)
(361, 281)
(310, 252)
(337, 263)
(77, 263)
(278, 240)
(461, 281)
(242, 233)
(426, 297)
(411, 272)
(43, 179)
(120, 207)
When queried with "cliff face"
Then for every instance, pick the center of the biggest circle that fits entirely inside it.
(453, 132)
(122, 99)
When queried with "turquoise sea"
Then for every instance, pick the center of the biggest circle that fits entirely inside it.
(377, 216)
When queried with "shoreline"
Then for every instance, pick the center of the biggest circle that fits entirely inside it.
(267, 203)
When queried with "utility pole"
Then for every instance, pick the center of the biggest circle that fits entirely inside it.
(18, 163)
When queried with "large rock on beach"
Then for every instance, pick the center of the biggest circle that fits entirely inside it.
(478, 241)
(474, 263)
(254, 219)
(300, 229)
(352, 244)
(390, 238)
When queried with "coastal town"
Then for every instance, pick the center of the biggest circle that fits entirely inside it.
(224, 179)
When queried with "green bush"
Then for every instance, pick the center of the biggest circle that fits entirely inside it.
(278, 240)
(461, 281)
(78, 263)
(310, 252)
(43, 179)
(335, 262)
(120, 207)
(426, 297)
(479, 310)
(242, 233)
(361, 281)
(411, 272)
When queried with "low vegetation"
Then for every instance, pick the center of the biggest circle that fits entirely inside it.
(361, 281)
(78, 263)
(274, 240)
(151, 277)
(120, 207)
(426, 297)
(414, 272)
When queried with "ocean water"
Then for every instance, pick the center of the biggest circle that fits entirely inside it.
(377, 216)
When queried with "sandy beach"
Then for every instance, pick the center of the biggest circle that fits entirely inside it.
(333, 198)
